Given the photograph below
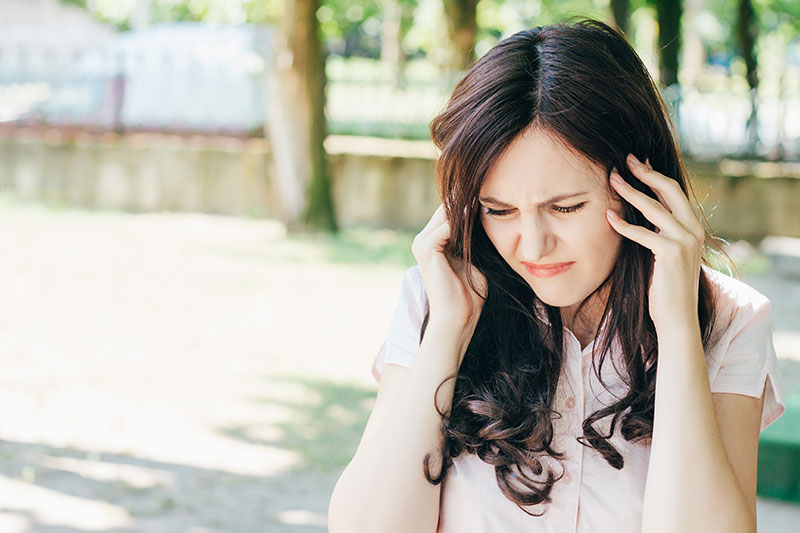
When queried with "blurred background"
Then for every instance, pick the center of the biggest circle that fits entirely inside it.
(206, 207)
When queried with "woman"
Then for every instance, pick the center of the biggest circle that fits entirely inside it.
(561, 284)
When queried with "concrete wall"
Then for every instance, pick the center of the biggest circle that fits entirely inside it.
(141, 174)
(376, 182)
(749, 200)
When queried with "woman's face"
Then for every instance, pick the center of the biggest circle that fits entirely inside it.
(543, 207)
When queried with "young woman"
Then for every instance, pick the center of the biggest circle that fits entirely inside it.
(563, 358)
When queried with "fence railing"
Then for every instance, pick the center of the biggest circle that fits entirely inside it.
(134, 91)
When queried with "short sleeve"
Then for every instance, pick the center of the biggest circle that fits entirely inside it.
(749, 363)
(402, 338)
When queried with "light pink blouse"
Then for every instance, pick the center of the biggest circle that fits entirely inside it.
(592, 496)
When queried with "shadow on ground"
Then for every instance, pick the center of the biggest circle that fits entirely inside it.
(326, 421)
(188, 498)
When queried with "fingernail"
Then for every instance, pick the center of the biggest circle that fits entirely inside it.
(616, 178)
(612, 215)
(633, 161)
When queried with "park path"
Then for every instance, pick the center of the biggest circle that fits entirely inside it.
(193, 373)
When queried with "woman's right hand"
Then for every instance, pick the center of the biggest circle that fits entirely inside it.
(450, 298)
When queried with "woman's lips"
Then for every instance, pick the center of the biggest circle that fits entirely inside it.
(548, 271)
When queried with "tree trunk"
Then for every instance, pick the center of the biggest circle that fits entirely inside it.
(620, 9)
(296, 121)
(392, 55)
(462, 28)
(746, 33)
(693, 55)
(669, 39)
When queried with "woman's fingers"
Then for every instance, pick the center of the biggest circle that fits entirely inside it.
(437, 228)
(670, 192)
(634, 232)
(445, 276)
(652, 209)
(678, 228)
(658, 194)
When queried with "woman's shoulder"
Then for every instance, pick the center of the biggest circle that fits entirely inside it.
(733, 295)
(742, 314)
(743, 360)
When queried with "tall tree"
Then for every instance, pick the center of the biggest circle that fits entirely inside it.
(620, 10)
(462, 27)
(669, 39)
(296, 120)
(746, 33)
(397, 19)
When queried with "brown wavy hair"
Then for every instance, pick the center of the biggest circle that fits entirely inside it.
(582, 82)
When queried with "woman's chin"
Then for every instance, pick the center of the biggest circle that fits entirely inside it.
(556, 299)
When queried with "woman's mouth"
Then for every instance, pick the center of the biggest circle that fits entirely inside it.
(548, 270)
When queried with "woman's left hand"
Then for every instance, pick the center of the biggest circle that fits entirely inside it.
(676, 245)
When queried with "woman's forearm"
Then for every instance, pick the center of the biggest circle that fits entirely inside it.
(385, 478)
(691, 485)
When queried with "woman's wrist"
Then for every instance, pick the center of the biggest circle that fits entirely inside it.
(455, 327)
(679, 324)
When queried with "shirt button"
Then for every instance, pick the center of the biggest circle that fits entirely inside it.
(570, 402)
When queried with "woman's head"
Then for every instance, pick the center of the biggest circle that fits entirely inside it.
(543, 207)
(549, 112)
(545, 112)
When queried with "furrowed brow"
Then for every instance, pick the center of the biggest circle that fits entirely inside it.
(554, 199)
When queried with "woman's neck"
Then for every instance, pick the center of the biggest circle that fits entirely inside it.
(584, 324)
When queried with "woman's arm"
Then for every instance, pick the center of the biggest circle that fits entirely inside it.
(702, 471)
(383, 488)
(692, 483)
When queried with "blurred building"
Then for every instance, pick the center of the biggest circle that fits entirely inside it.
(60, 67)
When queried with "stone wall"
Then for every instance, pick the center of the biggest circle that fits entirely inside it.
(376, 182)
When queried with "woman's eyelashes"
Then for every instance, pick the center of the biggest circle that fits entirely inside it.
(496, 212)
(569, 209)
(558, 208)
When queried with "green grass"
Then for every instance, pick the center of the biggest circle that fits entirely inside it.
(327, 419)
(364, 245)
(350, 246)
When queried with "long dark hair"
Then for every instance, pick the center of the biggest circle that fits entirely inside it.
(583, 83)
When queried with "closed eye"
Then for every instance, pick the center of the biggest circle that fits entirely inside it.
(496, 212)
(561, 209)
(569, 209)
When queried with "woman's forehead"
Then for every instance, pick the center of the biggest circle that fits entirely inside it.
(539, 160)
(539, 183)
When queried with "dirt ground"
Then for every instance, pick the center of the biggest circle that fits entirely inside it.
(194, 373)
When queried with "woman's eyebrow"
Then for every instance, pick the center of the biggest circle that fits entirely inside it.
(554, 199)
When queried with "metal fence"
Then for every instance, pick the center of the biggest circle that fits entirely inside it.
(214, 89)
(716, 124)
(168, 78)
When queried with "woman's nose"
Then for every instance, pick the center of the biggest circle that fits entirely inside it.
(536, 240)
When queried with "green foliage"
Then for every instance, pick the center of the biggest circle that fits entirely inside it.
(119, 13)
(77, 3)
(340, 18)
(718, 27)
(777, 13)
(352, 27)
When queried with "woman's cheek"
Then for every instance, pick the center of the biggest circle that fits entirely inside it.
(599, 236)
